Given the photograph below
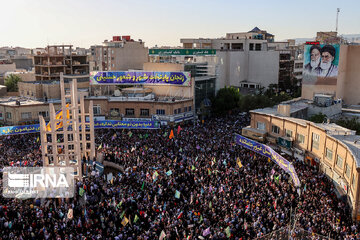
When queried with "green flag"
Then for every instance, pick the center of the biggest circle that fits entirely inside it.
(210, 205)
(130, 133)
(136, 218)
(193, 167)
(81, 192)
(201, 219)
(122, 214)
(142, 187)
(228, 232)
(177, 194)
(146, 135)
(140, 136)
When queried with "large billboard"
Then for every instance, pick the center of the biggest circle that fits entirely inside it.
(149, 78)
(320, 64)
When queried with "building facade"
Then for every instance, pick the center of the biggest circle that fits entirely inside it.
(333, 149)
(120, 54)
(60, 59)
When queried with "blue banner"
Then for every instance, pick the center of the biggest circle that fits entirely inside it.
(13, 130)
(270, 153)
(126, 124)
(172, 78)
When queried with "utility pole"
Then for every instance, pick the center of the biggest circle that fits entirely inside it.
(337, 18)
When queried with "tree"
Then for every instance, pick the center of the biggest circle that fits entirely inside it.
(226, 99)
(11, 82)
(352, 124)
(318, 118)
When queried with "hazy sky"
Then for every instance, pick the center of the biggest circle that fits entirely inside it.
(36, 23)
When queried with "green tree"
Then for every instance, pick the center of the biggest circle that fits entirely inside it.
(226, 99)
(318, 118)
(11, 82)
(352, 124)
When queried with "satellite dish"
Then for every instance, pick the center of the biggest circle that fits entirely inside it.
(117, 93)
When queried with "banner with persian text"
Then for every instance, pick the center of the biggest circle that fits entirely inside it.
(13, 130)
(147, 78)
(270, 153)
(181, 52)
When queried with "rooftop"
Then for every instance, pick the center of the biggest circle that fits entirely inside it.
(353, 143)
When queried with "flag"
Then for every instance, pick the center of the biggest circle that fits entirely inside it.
(122, 214)
(146, 135)
(165, 134)
(100, 147)
(155, 175)
(142, 187)
(124, 221)
(277, 179)
(209, 172)
(228, 232)
(201, 219)
(193, 167)
(59, 115)
(177, 194)
(38, 139)
(180, 215)
(171, 134)
(275, 204)
(113, 137)
(269, 160)
(210, 205)
(136, 218)
(70, 214)
(168, 173)
(130, 133)
(179, 129)
(140, 136)
(305, 188)
(239, 162)
(206, 232)
(81, 192)
(162, 235)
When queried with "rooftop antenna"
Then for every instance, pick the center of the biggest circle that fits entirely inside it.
(337, 18)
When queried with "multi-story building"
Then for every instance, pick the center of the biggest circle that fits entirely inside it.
(60, 59)
(334, 150)
(248, 60)
(120, 54)
(199, 62)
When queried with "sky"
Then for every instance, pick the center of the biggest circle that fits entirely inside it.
(82, 23)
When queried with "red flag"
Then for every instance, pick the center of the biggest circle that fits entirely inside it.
(180, 215)
(179, 129)
(171, 134)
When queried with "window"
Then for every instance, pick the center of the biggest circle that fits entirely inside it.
(185, 109)
(97, 109)
(189, 108)
(26, 115)
(275, 129)
(353, 182)
(347, 170)
(260, 125)
(329, 154)
(288, 133)
(339, 161)
(144, 112)
(175, 111)
(129, 111)
(251, 47)
(258, 47)
(179, 110)
(8, 115)
(1, 115)
(44, 113)
(160, 111)
(315, 141)
(114, 112)
(300, 138)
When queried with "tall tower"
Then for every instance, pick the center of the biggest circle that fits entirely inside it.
(68, 137)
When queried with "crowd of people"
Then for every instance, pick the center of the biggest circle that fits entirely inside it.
(197, 185)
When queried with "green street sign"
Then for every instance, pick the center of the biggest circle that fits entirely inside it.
(182, 52)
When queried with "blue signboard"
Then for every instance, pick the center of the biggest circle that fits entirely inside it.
(269, 153)
(13, 130)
